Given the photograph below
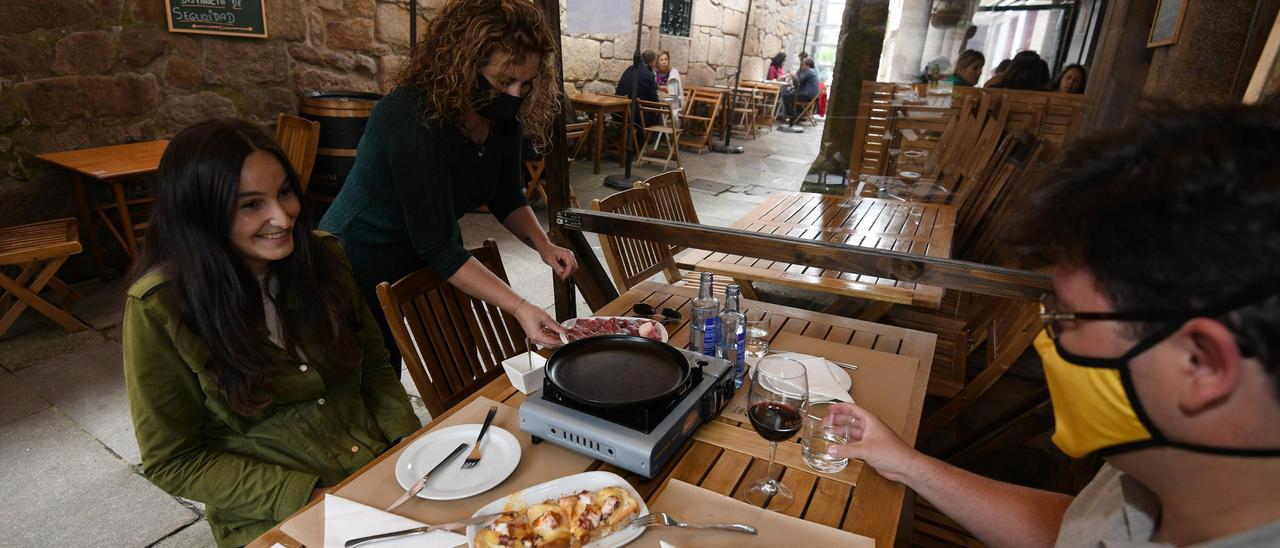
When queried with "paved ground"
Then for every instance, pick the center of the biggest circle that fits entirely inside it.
(70, 461)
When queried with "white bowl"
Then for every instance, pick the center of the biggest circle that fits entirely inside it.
(522, 377)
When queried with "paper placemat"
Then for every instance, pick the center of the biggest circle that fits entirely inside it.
(378, 486)
(697, 505)
(882, 384)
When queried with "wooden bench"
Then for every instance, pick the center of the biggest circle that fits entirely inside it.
(38, 250)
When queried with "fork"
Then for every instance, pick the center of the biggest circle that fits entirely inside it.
(661, 518)
(474, 458)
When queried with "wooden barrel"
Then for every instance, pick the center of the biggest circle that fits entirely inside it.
(342, 116)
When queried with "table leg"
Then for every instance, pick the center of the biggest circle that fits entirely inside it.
(599, 115)
(122, 204)
(86, 220)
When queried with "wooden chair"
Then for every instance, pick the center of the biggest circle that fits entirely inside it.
(298, 138)
(452, 343)
(871, 129)
(575, 133)
(807, 109)
(767, 104)
(742, 117)
(699, 116)
(671, 196)
(38, 250)
(667, 130)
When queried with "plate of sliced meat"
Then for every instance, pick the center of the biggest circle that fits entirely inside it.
(581, 328)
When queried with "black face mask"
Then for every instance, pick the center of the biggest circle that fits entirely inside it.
(501, 108)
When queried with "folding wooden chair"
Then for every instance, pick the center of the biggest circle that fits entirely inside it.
(742, 118)
(631, 260)
(766, 104)
(807, 110)
(298, 138)
(575, 133)
(38, 250)
(699, 118)
(453, 344)
(666, 130)
(670, 192)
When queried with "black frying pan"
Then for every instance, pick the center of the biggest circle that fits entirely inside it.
(617, 370)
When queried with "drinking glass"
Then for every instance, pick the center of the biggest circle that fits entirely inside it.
(853, 193)
(757, 343)
(778, 393)
(819, 435)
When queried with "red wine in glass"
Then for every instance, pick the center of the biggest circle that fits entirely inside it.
(775, 421)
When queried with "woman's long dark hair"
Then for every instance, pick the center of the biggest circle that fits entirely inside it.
(778, 59)
(214, 293)
(1084, 77)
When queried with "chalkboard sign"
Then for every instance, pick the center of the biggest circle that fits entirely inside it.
(1168, 23)
(246, 18)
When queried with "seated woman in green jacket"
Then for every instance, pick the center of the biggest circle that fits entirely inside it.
(256, 374)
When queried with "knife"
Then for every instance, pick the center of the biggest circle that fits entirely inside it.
(423, 482)
(478, 520)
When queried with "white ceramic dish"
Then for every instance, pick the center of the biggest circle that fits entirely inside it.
(526, 379)
(568, 485)
(500, 453)
(569, 323)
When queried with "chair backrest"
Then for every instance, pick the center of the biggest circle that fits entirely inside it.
(670, 193)
(630, 260)
(298, 138)
(665, 112)
(1051, 116)
(452, 343)
(870, 148)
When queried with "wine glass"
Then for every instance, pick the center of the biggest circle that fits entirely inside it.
(779, 390)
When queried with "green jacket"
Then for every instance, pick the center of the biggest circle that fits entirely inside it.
(252, 472)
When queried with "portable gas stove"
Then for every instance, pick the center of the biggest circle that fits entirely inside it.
(639, 438)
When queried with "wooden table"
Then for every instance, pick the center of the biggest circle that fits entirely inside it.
(599, 106)
(872, 508)
(920, 229)
(109, 165)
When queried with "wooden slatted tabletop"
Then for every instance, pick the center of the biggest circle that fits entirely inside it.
(872, 508)
(919, 229)
(111, 161)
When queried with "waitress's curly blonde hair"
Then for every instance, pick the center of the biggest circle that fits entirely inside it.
(461, 39)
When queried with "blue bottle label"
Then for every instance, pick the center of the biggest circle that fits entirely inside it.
(710, 335)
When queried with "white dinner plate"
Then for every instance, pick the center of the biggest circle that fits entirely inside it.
(569, 323)
(500, 453)
(568, 485)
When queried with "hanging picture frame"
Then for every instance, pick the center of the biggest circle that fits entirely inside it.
(1266, 75)
(1168, 23)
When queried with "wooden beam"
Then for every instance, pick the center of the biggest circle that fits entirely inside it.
(951, 274)
(557, 172)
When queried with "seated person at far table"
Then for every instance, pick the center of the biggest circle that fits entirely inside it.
(1161, 350)
(805, 90)
(640, 78)
(256, 374)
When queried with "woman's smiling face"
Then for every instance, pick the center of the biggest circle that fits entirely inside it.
(266, 206)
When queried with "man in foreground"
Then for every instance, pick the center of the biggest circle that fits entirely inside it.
(1161, 349)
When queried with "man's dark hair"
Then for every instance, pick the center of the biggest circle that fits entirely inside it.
(1179, 211)
(808, 62)
(648, 57)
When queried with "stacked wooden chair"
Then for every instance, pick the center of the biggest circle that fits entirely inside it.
(37, 251)
(702, 109)
(452, 343)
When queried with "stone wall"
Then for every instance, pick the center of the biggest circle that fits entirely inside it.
(81, 73)
(593, 62)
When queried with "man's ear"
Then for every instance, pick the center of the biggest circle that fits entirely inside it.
(1215, 365)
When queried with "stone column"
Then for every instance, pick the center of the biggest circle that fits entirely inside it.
(909, 40)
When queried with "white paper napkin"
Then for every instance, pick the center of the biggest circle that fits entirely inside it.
(345, 520)
(823, 384)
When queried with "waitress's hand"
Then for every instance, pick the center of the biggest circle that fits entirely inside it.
(538, 325)
(561, 260)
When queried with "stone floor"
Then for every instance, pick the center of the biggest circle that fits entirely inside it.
(70, 473)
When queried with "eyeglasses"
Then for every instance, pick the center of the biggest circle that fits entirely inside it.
(1052, 317)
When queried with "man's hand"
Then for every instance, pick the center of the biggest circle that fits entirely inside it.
(538, 325)
(871, 441)
(561, 260)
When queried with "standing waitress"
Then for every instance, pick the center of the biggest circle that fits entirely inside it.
(447, 140)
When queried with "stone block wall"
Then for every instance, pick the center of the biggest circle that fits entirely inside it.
(593, 62)
(81, 73)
